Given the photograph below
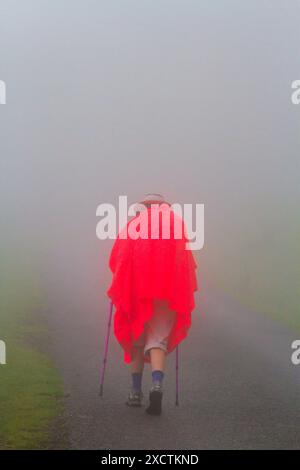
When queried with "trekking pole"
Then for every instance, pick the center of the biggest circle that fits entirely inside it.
(106, 347)
(177, 381)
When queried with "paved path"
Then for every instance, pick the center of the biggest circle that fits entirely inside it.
(238, 386)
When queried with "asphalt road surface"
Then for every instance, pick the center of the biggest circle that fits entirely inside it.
(238, 387)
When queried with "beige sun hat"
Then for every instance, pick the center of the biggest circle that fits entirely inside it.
(150, 198)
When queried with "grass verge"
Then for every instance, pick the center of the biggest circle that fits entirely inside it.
(31, 390)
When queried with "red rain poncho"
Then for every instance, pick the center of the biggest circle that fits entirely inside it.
(151, 268)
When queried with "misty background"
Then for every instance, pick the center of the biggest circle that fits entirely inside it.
(185, 98)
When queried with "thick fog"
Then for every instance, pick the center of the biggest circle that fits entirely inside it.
(185, 98)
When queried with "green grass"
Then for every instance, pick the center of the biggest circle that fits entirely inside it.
(31, 389)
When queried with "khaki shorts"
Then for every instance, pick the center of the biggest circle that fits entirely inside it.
(158, 328)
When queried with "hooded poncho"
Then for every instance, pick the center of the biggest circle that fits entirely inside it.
(147, 265)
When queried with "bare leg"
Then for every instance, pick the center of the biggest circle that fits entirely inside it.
(158, 359)
(137, 363)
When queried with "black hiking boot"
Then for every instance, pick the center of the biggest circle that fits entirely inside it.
(155, 398)
(134, 398)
